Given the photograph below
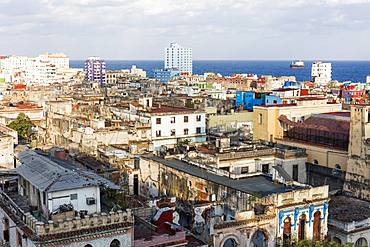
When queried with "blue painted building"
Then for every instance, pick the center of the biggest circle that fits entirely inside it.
(250, 99)
(165, 75)
(291, 84)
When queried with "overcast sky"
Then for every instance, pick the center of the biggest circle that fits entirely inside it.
(215, 29)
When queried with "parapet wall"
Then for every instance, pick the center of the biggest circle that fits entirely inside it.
(77, 223)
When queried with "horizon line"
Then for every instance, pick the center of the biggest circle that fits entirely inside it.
(282, 60)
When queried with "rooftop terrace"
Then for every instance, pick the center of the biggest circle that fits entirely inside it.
(259, 184)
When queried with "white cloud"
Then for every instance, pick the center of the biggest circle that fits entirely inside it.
(214, 28)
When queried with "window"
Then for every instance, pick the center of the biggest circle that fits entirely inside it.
(199, 118)
(158, 133)
(44, 198)
(265, 168)
(186, 119)
(198, 130)
(245, 170)
(186, 131)
(173, 132)
(115, 243)
(361, 242)
(173, 120)
(302, 227)
(73, 196)
(90, 201)
(158, 121)
(295, 172)
(260, 118)
(317, 226)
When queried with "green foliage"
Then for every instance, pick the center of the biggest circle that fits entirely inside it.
(189, 104)
(22, 124)
(114, 199)
(306, 243)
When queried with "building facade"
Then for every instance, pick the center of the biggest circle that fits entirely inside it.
(321, 72)
(95, 70)
(358, 168)
(178, 57)
(171, 125)
(43, 69)
(165, 75)
(51, 205)
(266, 123)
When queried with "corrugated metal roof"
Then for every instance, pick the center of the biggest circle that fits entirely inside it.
(49, 176)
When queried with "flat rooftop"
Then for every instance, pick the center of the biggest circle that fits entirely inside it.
(258, 184)
(348, 209)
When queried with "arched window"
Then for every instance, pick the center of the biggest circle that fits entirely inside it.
(361, 242)
(287, 233)
(302, 227)
(337, 240)
(316, 226)
(88, 245)
(259, 239)
(230, 243)
(115, 243)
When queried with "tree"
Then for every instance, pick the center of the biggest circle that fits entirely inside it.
(306, 243)
(22, 124)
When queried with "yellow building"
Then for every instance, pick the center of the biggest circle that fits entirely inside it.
(266, 123)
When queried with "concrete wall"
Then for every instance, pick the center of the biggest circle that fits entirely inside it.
(358, 170)
(325, 156)
(269, 128)
(166, 126)
(6, 151)
(229, 119)
(55, 199)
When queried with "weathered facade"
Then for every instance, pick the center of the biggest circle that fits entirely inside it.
(358, 169)
(250, 211)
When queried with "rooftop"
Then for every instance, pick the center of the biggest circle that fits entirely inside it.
(171, 109)
(348, 209)
(259, 184)
(47, 175)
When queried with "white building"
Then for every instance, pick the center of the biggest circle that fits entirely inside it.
(368, 79)
(51, 204)
(42, 69)
(170, 125)
(178, 57)
(321, 72)
(135, 71)
(59, 60)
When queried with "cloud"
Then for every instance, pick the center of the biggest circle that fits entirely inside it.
(235, 29)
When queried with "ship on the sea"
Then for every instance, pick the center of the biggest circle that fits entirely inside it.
(297, 64)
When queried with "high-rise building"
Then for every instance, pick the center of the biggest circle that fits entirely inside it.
(321, 72)
(95, 70)
(178, 57)
(42, 69)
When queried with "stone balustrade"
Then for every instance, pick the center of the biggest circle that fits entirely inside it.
(78, 223)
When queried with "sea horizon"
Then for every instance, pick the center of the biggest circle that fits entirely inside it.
(342, 70)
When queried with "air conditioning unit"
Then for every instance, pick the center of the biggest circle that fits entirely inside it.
(90, 201)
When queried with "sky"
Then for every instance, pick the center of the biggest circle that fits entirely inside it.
(214, 29)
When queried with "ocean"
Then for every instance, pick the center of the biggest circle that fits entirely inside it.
(355, 71)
